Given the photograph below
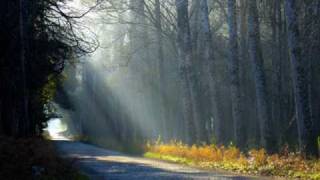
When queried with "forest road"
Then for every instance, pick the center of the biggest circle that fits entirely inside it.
(102, 164)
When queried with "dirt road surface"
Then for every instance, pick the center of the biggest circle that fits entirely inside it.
(102, 164)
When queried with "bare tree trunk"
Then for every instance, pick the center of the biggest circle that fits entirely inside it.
(136, 46)
(276, 66)
(255, 53)
(23, 123)
(243, 70)
(187, 78)
(161, 72)
(206, 54)
(194, 25)
(234, 73)
(307, 139)
(311, 49)
(315, 81)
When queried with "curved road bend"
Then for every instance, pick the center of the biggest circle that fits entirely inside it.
(102, 164)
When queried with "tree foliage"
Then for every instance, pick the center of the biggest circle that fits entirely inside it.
(37, 38)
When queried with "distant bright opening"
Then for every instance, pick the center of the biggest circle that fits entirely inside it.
(56, 129)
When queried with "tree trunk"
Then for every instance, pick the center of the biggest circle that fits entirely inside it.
(195, 24)
(244, 70)
(234, 73)
(205, 57)
(256, 58)
(187, 78)
(311, 49)
(276, 66)
(23, 122)
(315, 86)
(161, 73)
(307, 139)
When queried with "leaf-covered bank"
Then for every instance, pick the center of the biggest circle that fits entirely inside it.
(255, 162)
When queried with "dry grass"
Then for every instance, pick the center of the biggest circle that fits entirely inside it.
(256, 162)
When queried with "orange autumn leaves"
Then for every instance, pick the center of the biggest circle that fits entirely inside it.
(231, 158)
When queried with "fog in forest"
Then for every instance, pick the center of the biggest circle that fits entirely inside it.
(114, 93)
(210, 73)
(114, 85)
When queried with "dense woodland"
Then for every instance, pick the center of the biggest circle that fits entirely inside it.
(37, 39)
(199, 71)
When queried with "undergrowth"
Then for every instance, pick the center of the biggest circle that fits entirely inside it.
(255, 162)
(33, 158)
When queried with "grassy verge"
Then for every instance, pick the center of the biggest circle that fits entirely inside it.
(255, 162)
(132, 148)
(34, 158)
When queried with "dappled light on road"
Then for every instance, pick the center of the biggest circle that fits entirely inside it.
(100, 163)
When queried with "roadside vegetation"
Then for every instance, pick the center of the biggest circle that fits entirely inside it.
(254, 162)
(34, 158)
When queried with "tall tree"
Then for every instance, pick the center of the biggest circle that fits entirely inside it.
(275, 18)
(307, 138)
(311, 48)
(256, 58)
(139, 52)
(23, 122)
(161, 70)
(204, 52)
(187, 78)
(245, 84)
(194, 24)
(234, 72)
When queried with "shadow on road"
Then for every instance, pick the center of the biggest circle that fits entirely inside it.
(99, 163)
